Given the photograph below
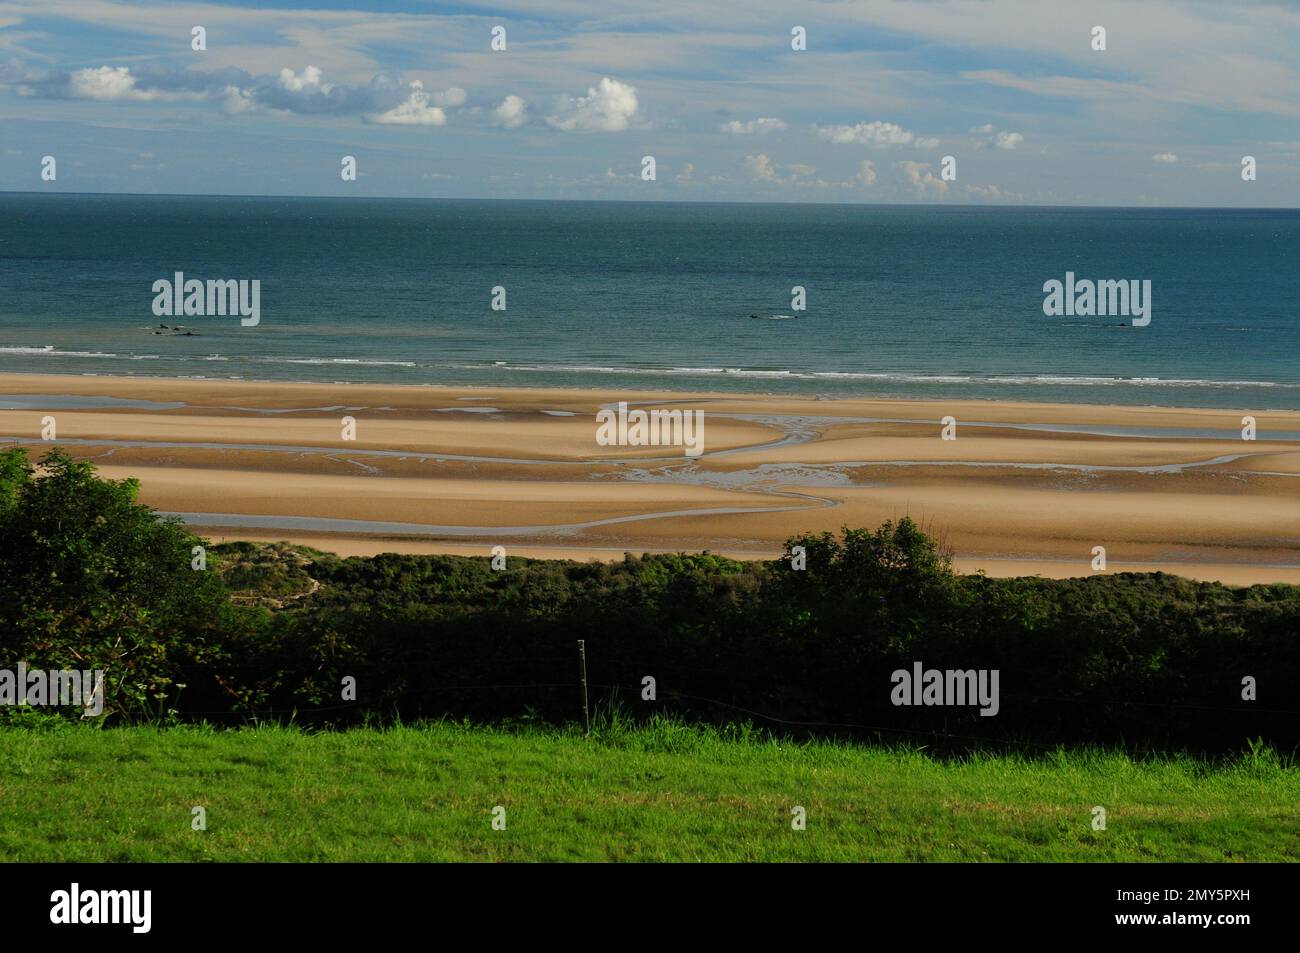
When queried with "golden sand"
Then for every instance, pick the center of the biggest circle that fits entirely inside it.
(463, 469)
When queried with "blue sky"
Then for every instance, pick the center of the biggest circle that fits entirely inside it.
(1011, 89)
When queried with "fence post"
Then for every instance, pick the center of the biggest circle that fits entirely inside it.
(582, 664)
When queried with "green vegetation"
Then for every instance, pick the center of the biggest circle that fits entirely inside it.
(273, 575)
(91, 579)
(661, 791)
(1105, 681)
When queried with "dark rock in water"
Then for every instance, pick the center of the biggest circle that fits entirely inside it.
(190, 334)
(163, 326)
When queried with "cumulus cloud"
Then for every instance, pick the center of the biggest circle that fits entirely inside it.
(415, 110)
(417, 107)
(238, 100)
(755, 127)
(867, 174)
(306, 92)
(105, 83)
(988, 135)
(1165, 157)
(868, 134)
(310, 79)
(687, 173)
(512, 113)
(609, 106)
(386, 99)
(922, 179)
(108, 84)
(761, 169)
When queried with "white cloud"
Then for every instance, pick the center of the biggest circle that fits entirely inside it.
(415, 110)
(454, 96)
(687, 173)
(609, 106)
(239, 100)
(921, 178)
(512, 113)
(761, 169)
(105, 84)
(867, 174)
(310, 80)
(927, 143)
(754, 127)
(867, 134)
(290, 92)
(987, 135)
(1165, 157)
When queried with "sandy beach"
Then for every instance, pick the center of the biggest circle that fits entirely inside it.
(1023, 488)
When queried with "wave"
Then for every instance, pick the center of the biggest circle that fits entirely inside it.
(754, 373)
(335, 360)
(49, 351)
(1051, 380)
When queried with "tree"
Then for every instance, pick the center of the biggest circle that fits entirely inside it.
(92, 579)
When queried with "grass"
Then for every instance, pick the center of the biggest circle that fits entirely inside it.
(662, 792)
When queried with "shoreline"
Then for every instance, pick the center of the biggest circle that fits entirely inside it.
(41, 380)
(1025, 488)
(668, 390)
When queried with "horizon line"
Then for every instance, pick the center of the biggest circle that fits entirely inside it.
(449, 198)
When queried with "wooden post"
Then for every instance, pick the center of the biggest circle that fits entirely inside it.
(582, 664)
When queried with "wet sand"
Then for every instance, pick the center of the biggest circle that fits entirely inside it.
(1024, 488)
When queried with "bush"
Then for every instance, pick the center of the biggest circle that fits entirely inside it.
(90, 579)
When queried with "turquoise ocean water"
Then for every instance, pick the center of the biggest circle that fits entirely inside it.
(927, 302)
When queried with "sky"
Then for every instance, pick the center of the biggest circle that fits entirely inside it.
(1013, 91)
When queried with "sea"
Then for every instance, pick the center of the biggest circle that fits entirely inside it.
(932, 302)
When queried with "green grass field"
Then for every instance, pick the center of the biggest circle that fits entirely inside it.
(663, 792)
